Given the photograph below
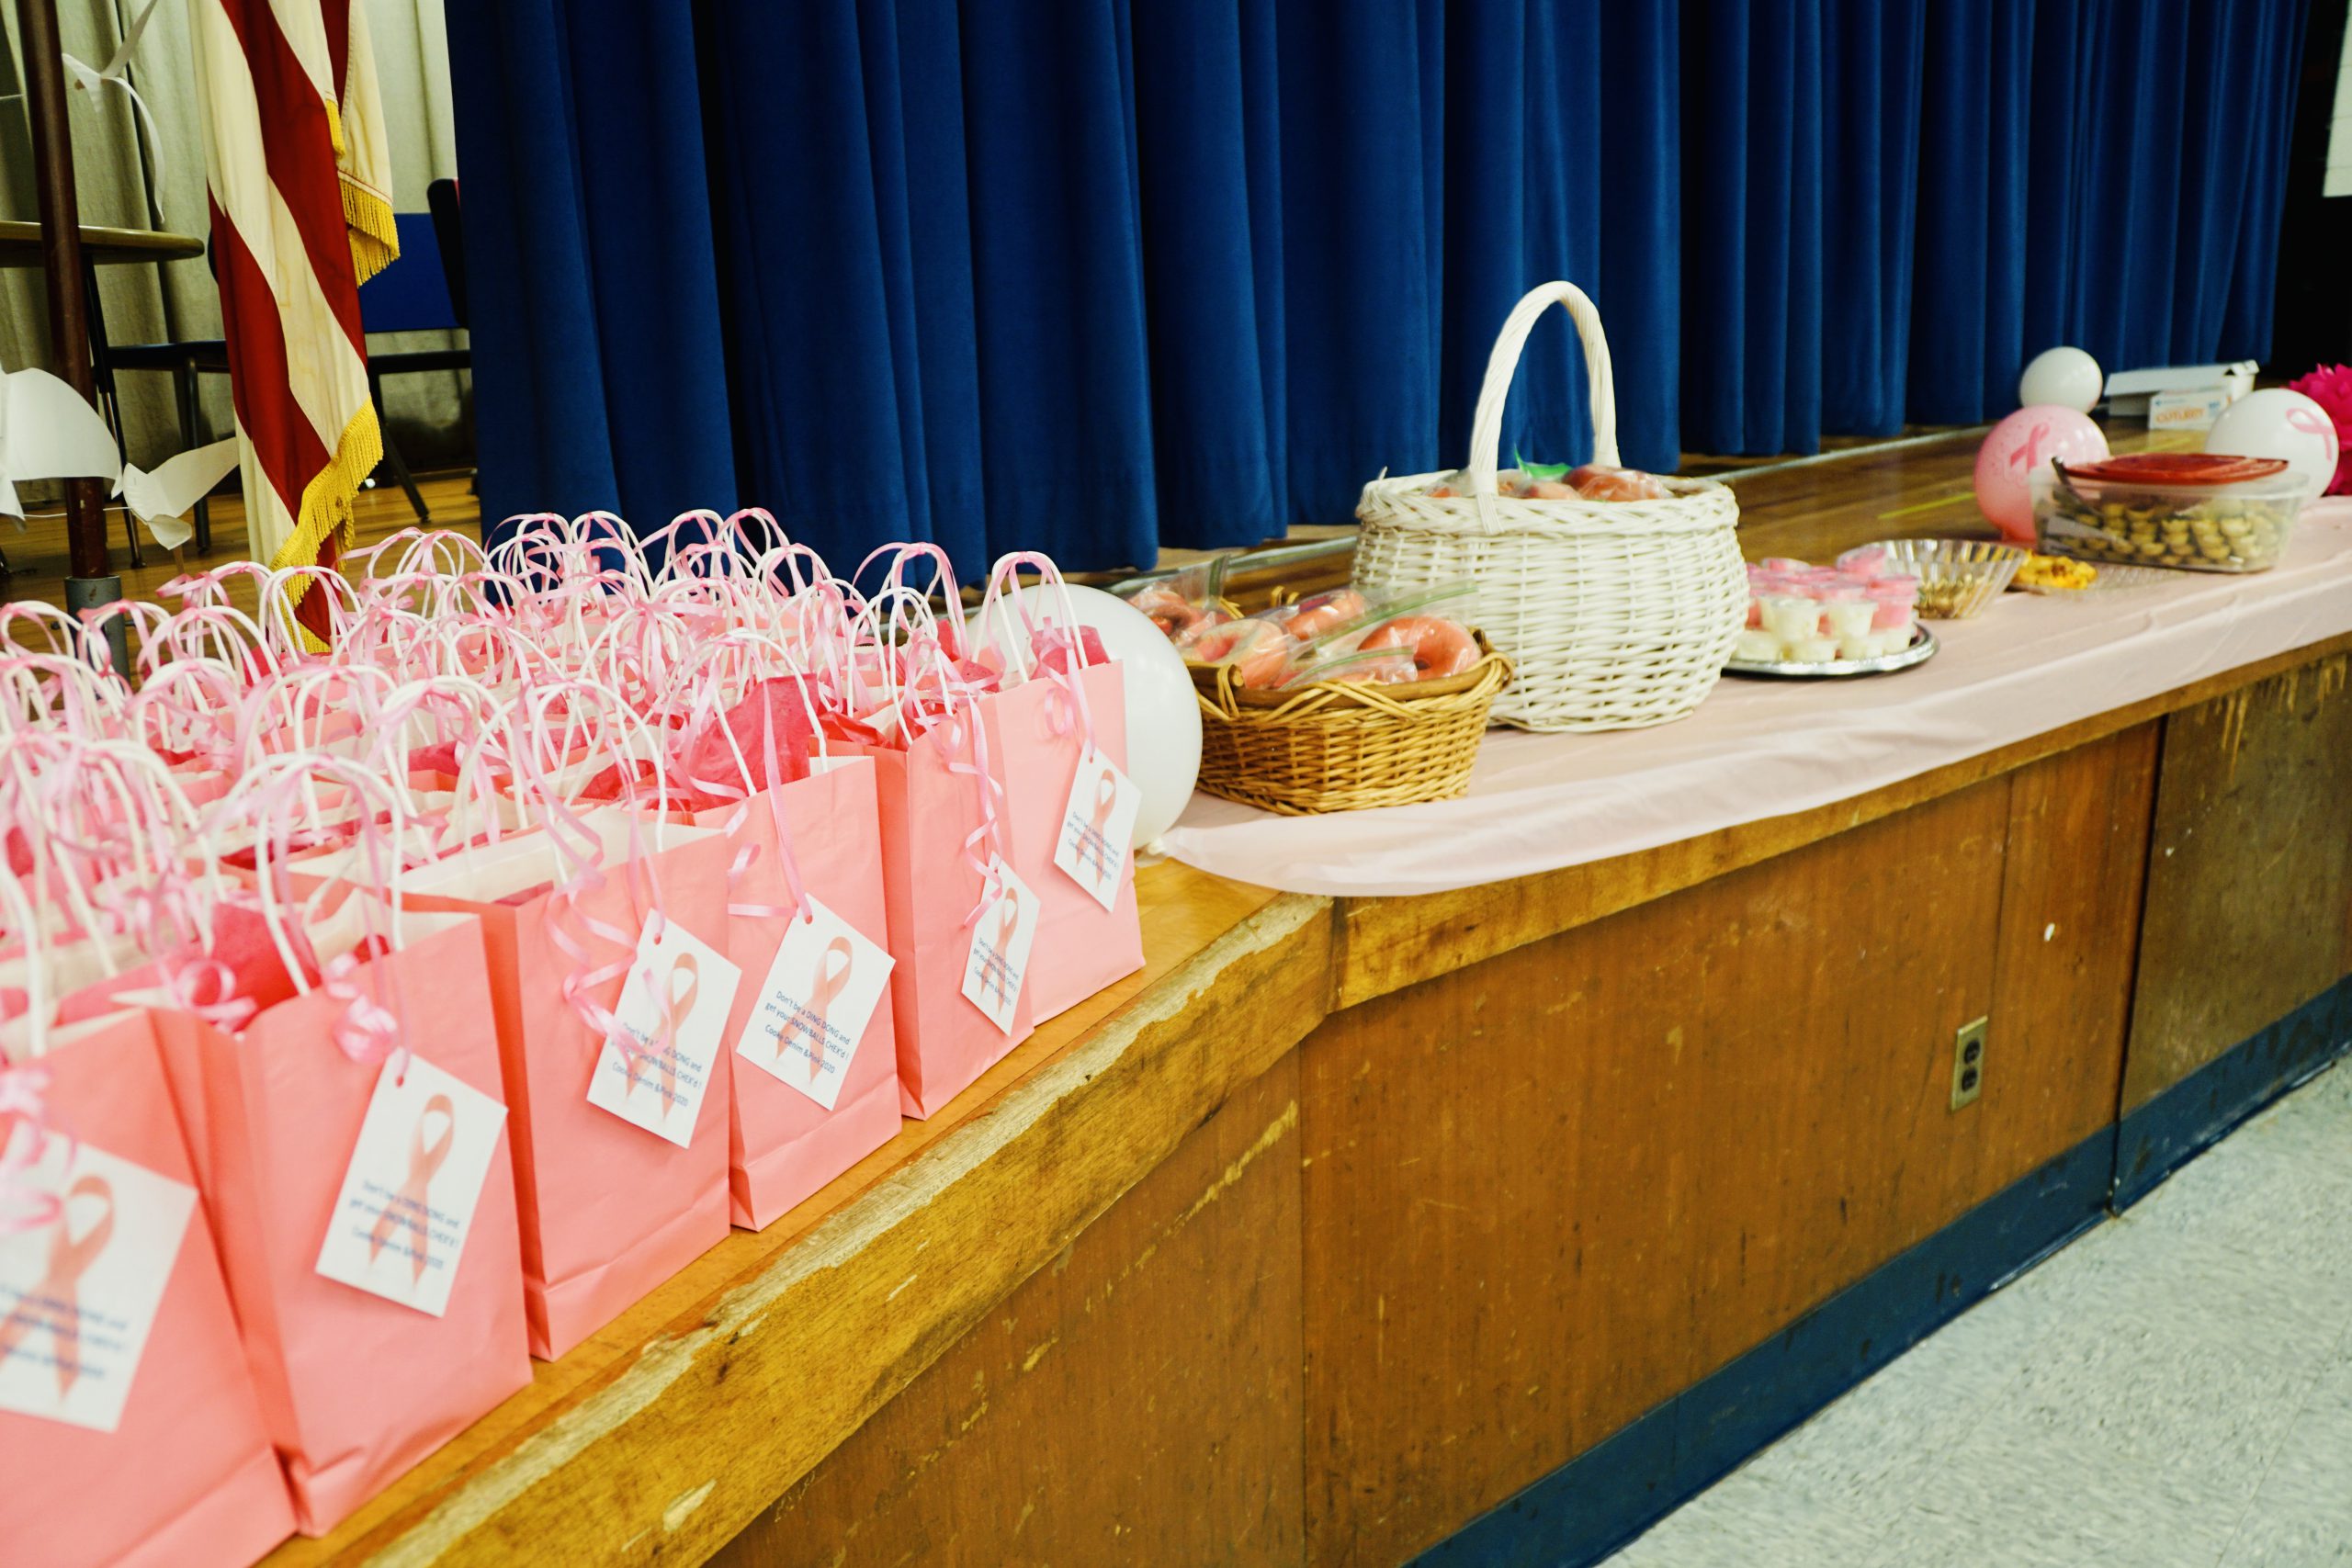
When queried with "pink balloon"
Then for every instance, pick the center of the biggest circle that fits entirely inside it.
(2022, 446)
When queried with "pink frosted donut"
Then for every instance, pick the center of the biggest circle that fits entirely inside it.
(1440, 648)
(1169, 610)
(1597, 481)
(1323, 612)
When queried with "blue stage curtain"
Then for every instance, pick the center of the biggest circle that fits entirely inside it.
(1179, 274)
(1801, 129)
(1097, 276)
(585, 197)
(2108, 174)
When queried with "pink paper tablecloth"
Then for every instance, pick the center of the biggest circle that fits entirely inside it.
(1758, 749)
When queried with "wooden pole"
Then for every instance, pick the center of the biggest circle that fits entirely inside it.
(61, 234)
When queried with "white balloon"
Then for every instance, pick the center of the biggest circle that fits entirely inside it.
(2277, 422)
(2066, 377)
(1163, 715)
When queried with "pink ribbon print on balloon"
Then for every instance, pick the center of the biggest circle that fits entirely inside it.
(2026, 455)
(55, 1304)
(677, 1005)
(825, 988)
(409, 1208)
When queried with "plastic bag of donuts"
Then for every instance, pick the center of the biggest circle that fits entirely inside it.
(1188, 603)
(1344, 635)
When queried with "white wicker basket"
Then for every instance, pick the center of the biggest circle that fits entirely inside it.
(1617, 613)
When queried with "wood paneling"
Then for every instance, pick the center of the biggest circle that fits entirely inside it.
(2062, 988)
(1137, 1401)
(2250, 871)
(1547, 1192)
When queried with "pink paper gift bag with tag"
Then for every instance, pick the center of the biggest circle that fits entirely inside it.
(930, 813)
(1059, 717)
(784, 1144)
(609, 1210)
(186, 1478)
(942, 800)
(273, 1112)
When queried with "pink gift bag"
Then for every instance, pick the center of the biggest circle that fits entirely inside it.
(932, 881)
(783, 1143)
(942, 801)
(1062, 710)
(609, 1210)
(274, 1111)
(186, 1478)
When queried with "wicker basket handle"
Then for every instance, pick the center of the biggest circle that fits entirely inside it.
(1487, 424)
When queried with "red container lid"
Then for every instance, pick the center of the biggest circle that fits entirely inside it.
(2176, 468)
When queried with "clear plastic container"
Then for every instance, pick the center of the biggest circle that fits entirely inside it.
(2170, 513)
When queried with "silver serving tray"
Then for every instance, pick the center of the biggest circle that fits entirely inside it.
(1923, 648)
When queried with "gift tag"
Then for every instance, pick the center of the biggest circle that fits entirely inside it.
(820, 994)
(79, 1294)
(408, 1197)
(1096, 826)
(998, 960)
(658, 1061)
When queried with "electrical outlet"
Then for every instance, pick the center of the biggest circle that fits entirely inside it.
(1968, 1063)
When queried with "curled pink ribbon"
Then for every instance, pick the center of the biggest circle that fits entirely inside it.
(25, 1132)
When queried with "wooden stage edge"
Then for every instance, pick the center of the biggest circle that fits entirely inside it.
(668, 1432)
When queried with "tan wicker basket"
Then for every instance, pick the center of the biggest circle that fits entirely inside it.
(1344, 745)
(1617, 613)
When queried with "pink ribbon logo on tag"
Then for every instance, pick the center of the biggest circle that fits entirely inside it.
(408, 1210)
(825, 988)
(677, 1005)
(55, 1302)
(1106, 801)
(999, 976)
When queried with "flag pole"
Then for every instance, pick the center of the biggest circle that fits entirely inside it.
(90, 580)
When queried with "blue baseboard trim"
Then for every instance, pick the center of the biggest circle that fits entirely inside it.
(2193, 1116)
(1612, 1492)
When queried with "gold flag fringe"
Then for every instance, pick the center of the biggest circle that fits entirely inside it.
(327, 498)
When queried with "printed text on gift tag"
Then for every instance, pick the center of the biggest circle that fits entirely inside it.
(409, 1195)
(998, 959)
(818, 997)
(78, 1295)
(657, 1064)
(1096, 826)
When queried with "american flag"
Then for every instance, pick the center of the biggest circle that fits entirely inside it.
(300, 177)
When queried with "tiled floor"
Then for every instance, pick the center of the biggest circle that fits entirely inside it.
(2172, 1390)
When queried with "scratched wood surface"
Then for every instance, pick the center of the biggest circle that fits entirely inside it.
(2071, 881)
(1136, 1401)
(2249, 870)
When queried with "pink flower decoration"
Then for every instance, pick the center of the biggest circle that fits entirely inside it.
(2330, 387)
